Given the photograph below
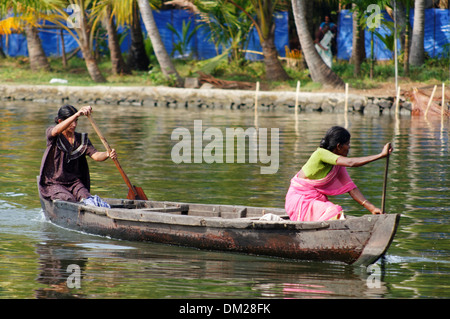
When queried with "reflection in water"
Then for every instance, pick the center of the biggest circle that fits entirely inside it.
(144, 270)
(34, 254)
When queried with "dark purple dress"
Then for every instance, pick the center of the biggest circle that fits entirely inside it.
(64, 170)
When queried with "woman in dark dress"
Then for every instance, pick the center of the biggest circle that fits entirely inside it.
(64, 172)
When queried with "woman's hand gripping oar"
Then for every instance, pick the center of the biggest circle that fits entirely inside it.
(133, 191)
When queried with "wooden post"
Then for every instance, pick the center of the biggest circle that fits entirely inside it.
(397, 101)
(346, 98)
(63, 53)
(430, 101)
(256, 97)
(256, 104)
(296, 107)
(346, 106)
(443, 102)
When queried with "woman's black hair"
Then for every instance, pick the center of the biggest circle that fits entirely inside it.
(334, 136)
(65, 112)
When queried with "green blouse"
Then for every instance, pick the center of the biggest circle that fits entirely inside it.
(319, 164)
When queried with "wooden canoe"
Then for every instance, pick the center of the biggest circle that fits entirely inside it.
(356, 240)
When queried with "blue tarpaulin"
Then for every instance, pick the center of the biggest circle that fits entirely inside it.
(200, 47)
(436, 42)
(436, 38)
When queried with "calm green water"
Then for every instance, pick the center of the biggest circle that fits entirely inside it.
(34, 254)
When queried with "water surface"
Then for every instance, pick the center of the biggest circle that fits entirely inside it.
(35, 254)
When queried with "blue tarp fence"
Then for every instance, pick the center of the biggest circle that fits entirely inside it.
(199, 46)
(436, 38)
(436, 42)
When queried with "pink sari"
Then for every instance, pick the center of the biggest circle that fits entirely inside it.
(306, 199)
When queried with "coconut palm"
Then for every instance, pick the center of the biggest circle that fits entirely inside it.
(265, 26)
(417, 51)
(118, 65)
(36, 54)
(224, 24)
(123, 13)
(162, 56)
(26, 17)
(358, 43)
(137, 54)
(319, 71)
(82, 28)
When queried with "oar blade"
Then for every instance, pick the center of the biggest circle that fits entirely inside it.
(138, 194)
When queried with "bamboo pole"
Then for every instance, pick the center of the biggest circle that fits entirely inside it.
(296, 107)
(346, 106)
(443, 102)
(296, 98)
(397, 101)
(63, 49)
(430, 101)
(256, 97)
(256, 104)
(346, 98)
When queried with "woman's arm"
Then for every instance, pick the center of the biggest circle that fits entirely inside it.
(360, 161)
(63, 125)
(360, 199)
(103, 156)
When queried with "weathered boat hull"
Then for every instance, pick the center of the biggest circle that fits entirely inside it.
(357, 240)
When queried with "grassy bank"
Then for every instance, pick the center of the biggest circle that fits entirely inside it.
(17, 70)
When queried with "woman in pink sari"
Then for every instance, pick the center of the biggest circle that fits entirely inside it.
(325, 174)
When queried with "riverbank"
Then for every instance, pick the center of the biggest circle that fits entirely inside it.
(204, 97)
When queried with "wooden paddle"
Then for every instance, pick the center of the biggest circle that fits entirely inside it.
(133, 191)
(383, 197)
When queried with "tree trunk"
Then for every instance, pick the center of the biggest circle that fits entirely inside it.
(36, 54)
(86, 49)
(407, 41)
(118, 64)
(358, 45)
(92, 66)
(320, 72)
(137, 56)
(162, 56)
(417, 53)
(2, 54)
(274, 69)
(265, 25)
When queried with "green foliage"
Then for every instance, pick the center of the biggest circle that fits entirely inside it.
(17, 70)
(184, 38)
(156, 77)
(433, 69)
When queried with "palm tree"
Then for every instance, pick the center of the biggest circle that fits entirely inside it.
(26, 16)
(225, 25)
(123, 12)
(417, 52)
(137, 55)
(265, 26)
(36, 54)
(162, 56)
(319, 71)
(358, 43)
(118, 64)
(84, 23)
